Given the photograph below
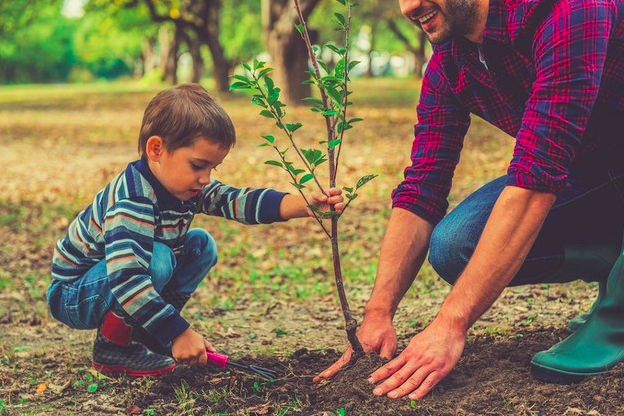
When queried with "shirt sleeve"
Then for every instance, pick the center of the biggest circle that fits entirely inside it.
(245, 205)
(129, 230)
(438, 140)
(569, 50)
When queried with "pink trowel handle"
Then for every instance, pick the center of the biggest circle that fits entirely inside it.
(217, 359)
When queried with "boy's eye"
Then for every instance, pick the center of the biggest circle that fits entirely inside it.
(196, 167)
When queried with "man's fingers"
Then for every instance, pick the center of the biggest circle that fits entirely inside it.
(387, 370)
(396, 379)
(427, 385)
(387, 350)
(333, 369)
(413, 382)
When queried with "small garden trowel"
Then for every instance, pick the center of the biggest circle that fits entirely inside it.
(222, 360)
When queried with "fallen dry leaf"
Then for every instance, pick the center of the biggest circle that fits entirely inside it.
(41, 388)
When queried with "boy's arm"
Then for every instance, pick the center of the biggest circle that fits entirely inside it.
(129, 230)
(245, 205)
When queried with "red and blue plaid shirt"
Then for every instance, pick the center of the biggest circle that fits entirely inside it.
(554, 81)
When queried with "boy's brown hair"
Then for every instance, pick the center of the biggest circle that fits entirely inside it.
(181, 114)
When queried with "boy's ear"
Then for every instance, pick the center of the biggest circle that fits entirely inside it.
(154, 147)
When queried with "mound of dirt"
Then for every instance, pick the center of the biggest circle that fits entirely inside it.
(492, 378)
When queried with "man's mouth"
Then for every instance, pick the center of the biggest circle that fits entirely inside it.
(417, 17)
(427, 17)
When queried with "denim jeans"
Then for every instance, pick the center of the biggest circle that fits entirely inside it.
(590, 211)
(82, 303)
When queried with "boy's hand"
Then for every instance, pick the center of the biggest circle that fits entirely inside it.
(190, 348)
(323, 202)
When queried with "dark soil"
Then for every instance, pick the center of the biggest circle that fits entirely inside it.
(492, 378)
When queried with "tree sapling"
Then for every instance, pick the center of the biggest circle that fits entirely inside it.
(332, 105)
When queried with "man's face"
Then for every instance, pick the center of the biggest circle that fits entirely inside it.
(442, 20)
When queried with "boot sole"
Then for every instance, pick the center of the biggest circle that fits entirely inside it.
(551, 375)
(119, 370)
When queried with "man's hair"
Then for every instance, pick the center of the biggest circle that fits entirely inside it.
(182, 114)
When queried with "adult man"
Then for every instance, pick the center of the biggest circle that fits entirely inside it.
(551, 74)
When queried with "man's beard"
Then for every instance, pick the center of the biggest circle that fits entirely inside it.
(461, 17)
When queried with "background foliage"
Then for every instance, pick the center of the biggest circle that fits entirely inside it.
(43, 43)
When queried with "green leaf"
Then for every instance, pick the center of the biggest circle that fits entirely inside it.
(343, 2)
(364, 180)
(335, 95)
(339, 68)
(269, 138)
(274, 163)
(242, 78)
(239, 86)
(92, 388)
(270, 85)
(330, 113)
(348, 189)
(307, 177)
(263, 145)
(247, 67)
(264, 72)
(313, 156)
(267, 114)
(258, 101)
(298, 186)
(342, 126)
(300, 29)
(291, 127)
(341, 19)
(355, 120)
(352, 64)
(333, 143)
(313, 100)
(339, 51)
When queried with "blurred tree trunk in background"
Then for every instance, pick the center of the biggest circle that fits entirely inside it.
(198, 23)
(289, 56)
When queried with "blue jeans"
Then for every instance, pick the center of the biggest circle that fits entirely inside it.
(82, 303)
(590, 211)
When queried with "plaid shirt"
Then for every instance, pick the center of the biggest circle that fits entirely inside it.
(553, 78)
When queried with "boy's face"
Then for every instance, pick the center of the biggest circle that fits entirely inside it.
(185, 171)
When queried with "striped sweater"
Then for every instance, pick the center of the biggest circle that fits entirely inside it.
(125, 219)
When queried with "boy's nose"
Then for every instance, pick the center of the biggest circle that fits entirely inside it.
(204, 179)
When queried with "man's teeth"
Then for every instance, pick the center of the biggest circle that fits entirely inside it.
(427, 16)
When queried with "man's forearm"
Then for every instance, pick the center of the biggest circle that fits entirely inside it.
(403, 251)
(510, 232)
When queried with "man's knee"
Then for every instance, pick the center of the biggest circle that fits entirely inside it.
(449, 250)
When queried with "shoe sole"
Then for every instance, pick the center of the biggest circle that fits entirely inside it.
(119, 370)
(551, 375)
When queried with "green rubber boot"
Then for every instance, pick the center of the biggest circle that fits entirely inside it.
(589, 263)
(576, 322)
(596, 346)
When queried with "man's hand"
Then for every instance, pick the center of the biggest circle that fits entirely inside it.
(376, 334)
(324, 202)
(190, 348)
(428, 358)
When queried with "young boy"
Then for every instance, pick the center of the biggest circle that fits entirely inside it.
(129, 261)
